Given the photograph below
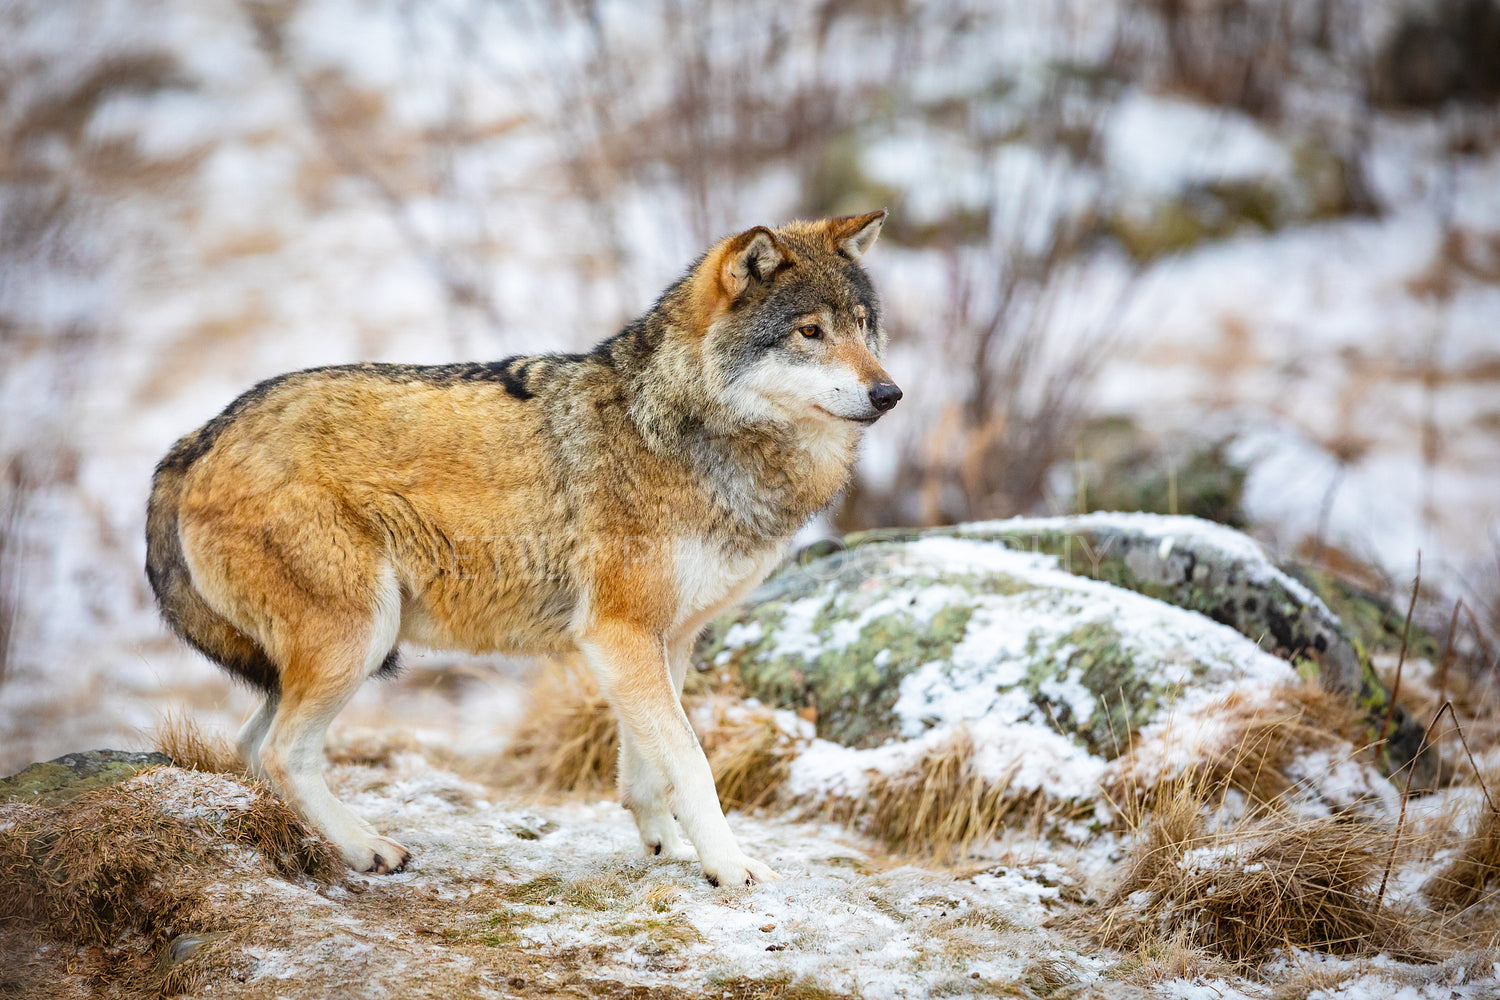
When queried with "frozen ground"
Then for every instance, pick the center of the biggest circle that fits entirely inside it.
(511, 899)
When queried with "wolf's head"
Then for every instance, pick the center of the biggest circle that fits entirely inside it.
(790, 324)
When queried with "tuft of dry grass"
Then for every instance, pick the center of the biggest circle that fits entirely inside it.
(1242, 891)
(137, 861)
(372, 747)
(750, 754)
(569, 740)
(179, 736)
(1462, 881)
(1259, 735)
(942, 805)
(1170, 956)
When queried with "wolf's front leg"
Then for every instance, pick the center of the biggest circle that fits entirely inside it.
(631, 665)
(644, 792)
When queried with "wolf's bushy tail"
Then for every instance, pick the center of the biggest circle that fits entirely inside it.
(181, 605)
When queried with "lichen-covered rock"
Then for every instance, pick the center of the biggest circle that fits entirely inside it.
(892, 638)
(1043, 649)
(69, 776)
(1188, 562)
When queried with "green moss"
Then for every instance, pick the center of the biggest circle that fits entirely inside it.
(71, 775)
(1205, 212)
(854, 688)
(1126, 695)
(609, 889)
(665, 933)
(1133, 474)
(1373, 622)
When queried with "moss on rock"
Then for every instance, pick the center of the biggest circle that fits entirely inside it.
(846, 631)
(69, 776)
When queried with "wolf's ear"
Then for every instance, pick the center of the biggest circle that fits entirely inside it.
(854, 235)
(751, 257)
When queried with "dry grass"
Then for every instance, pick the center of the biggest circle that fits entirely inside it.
(179, 736)
(376, 748)
(124, 869)
(1242, 891)
(943, 805)
(1254, 739)
(1462, 881)
(1271, 733)
(1166, 957)
(750, 754)
(568, 741)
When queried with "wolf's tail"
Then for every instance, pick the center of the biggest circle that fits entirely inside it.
(181, 605)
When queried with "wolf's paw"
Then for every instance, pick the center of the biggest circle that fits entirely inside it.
(738, 870)
(678, 851)
(377, 855)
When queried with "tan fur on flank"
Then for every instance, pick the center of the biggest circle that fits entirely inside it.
(609, 503)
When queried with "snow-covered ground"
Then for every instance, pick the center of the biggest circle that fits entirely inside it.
(508, 898)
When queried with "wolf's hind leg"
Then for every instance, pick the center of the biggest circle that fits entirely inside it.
(253, 733)
(328, 662)
(644, 793)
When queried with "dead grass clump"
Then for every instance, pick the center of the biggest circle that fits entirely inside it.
(1462, 881)
(1272, 732)
(1241, 892)
(180, 737)
(569, 740)
(370, 747)
(1253, 739)
(1164, 958)
(138, 856)
(943, 804)
(750, 753)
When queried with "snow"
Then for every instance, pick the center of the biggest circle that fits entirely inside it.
(1233, 546)
(1160, 146)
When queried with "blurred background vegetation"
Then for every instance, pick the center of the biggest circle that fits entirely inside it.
(1232, 258)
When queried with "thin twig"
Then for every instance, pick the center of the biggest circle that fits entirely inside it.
(1390, 708)
(1447, 657)
(1406, 792)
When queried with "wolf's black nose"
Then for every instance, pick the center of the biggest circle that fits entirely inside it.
(884, 395)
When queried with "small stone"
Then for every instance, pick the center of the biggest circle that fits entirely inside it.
(767, 928)
(183, 947)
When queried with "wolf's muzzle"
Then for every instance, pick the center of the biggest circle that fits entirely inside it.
(884, 395)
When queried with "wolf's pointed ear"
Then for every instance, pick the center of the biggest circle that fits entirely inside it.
(751, 257)
(854, 235)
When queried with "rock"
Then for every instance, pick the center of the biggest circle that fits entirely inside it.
(897, 635)
(70, 775)
(1031, 660)
(1190, 563)
(183, 947)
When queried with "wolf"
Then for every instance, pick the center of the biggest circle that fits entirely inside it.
(608, 504)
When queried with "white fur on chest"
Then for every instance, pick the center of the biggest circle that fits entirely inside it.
(707, 575)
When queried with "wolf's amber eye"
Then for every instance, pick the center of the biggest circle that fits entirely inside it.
(811, 331)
